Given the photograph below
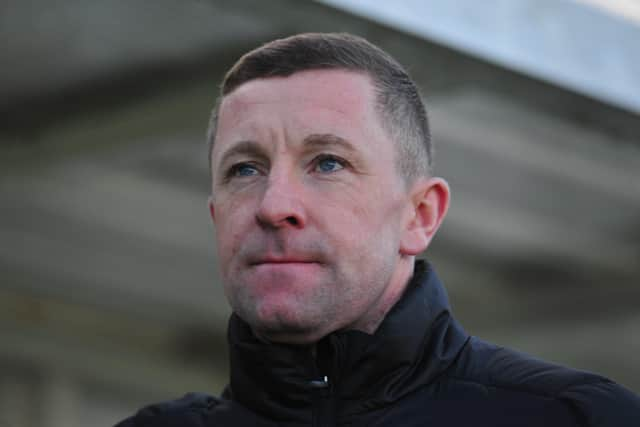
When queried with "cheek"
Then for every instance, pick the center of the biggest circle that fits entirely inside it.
(366, 220)
(365, 207)
(349, 216)
(232, 223)
(227, 245)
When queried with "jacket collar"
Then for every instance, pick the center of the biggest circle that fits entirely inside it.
(416, 342)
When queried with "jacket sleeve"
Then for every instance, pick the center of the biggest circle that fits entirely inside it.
(603, 403)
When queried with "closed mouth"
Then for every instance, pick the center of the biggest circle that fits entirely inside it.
(284, 261)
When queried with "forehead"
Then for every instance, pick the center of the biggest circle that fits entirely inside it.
(339, 96)
(342, 87)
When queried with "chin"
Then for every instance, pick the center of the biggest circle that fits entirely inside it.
(289, 327)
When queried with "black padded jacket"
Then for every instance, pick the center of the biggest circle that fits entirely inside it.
(418, 369)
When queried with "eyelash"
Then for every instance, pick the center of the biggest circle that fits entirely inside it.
(342, 162)
(233, 171)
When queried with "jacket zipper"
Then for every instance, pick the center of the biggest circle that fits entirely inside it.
(323, 415)
(323, 388)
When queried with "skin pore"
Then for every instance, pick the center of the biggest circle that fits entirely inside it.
(316, 230)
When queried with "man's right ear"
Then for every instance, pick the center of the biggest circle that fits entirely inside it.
(212, 209)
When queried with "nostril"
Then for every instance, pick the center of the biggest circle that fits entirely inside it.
(292, 220)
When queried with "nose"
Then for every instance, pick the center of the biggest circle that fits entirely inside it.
(281, 205)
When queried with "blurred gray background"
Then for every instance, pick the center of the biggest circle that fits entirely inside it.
(109, 296)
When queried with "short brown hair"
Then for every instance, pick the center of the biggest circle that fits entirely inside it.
(398, 101)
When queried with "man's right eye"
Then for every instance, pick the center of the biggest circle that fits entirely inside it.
(242, 170)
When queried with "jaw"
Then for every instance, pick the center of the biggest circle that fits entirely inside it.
(391, 294)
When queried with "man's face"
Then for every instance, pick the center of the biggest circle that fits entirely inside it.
(308, 207)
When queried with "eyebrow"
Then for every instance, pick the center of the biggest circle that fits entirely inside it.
(324, 140)
(246, 148)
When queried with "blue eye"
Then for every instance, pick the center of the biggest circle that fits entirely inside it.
(243, 169)
(329, 164)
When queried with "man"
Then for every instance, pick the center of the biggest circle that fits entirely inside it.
(322, 197)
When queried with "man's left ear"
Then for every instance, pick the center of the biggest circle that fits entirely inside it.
(429, 200)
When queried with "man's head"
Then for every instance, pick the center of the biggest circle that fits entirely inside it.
(317, 221)
(398, 102)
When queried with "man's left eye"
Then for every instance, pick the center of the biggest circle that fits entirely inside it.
(328, 164)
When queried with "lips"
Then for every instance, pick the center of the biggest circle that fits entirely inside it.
(287, 260)
(284, 267)
(284, 251)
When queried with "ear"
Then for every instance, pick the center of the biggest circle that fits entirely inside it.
(212, 209)
(428, 205)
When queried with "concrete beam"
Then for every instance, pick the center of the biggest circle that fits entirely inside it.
(571, 44)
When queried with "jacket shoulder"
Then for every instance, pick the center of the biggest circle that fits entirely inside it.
(195, 410)
(603, 403)
(593, 399)
(188, 411)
